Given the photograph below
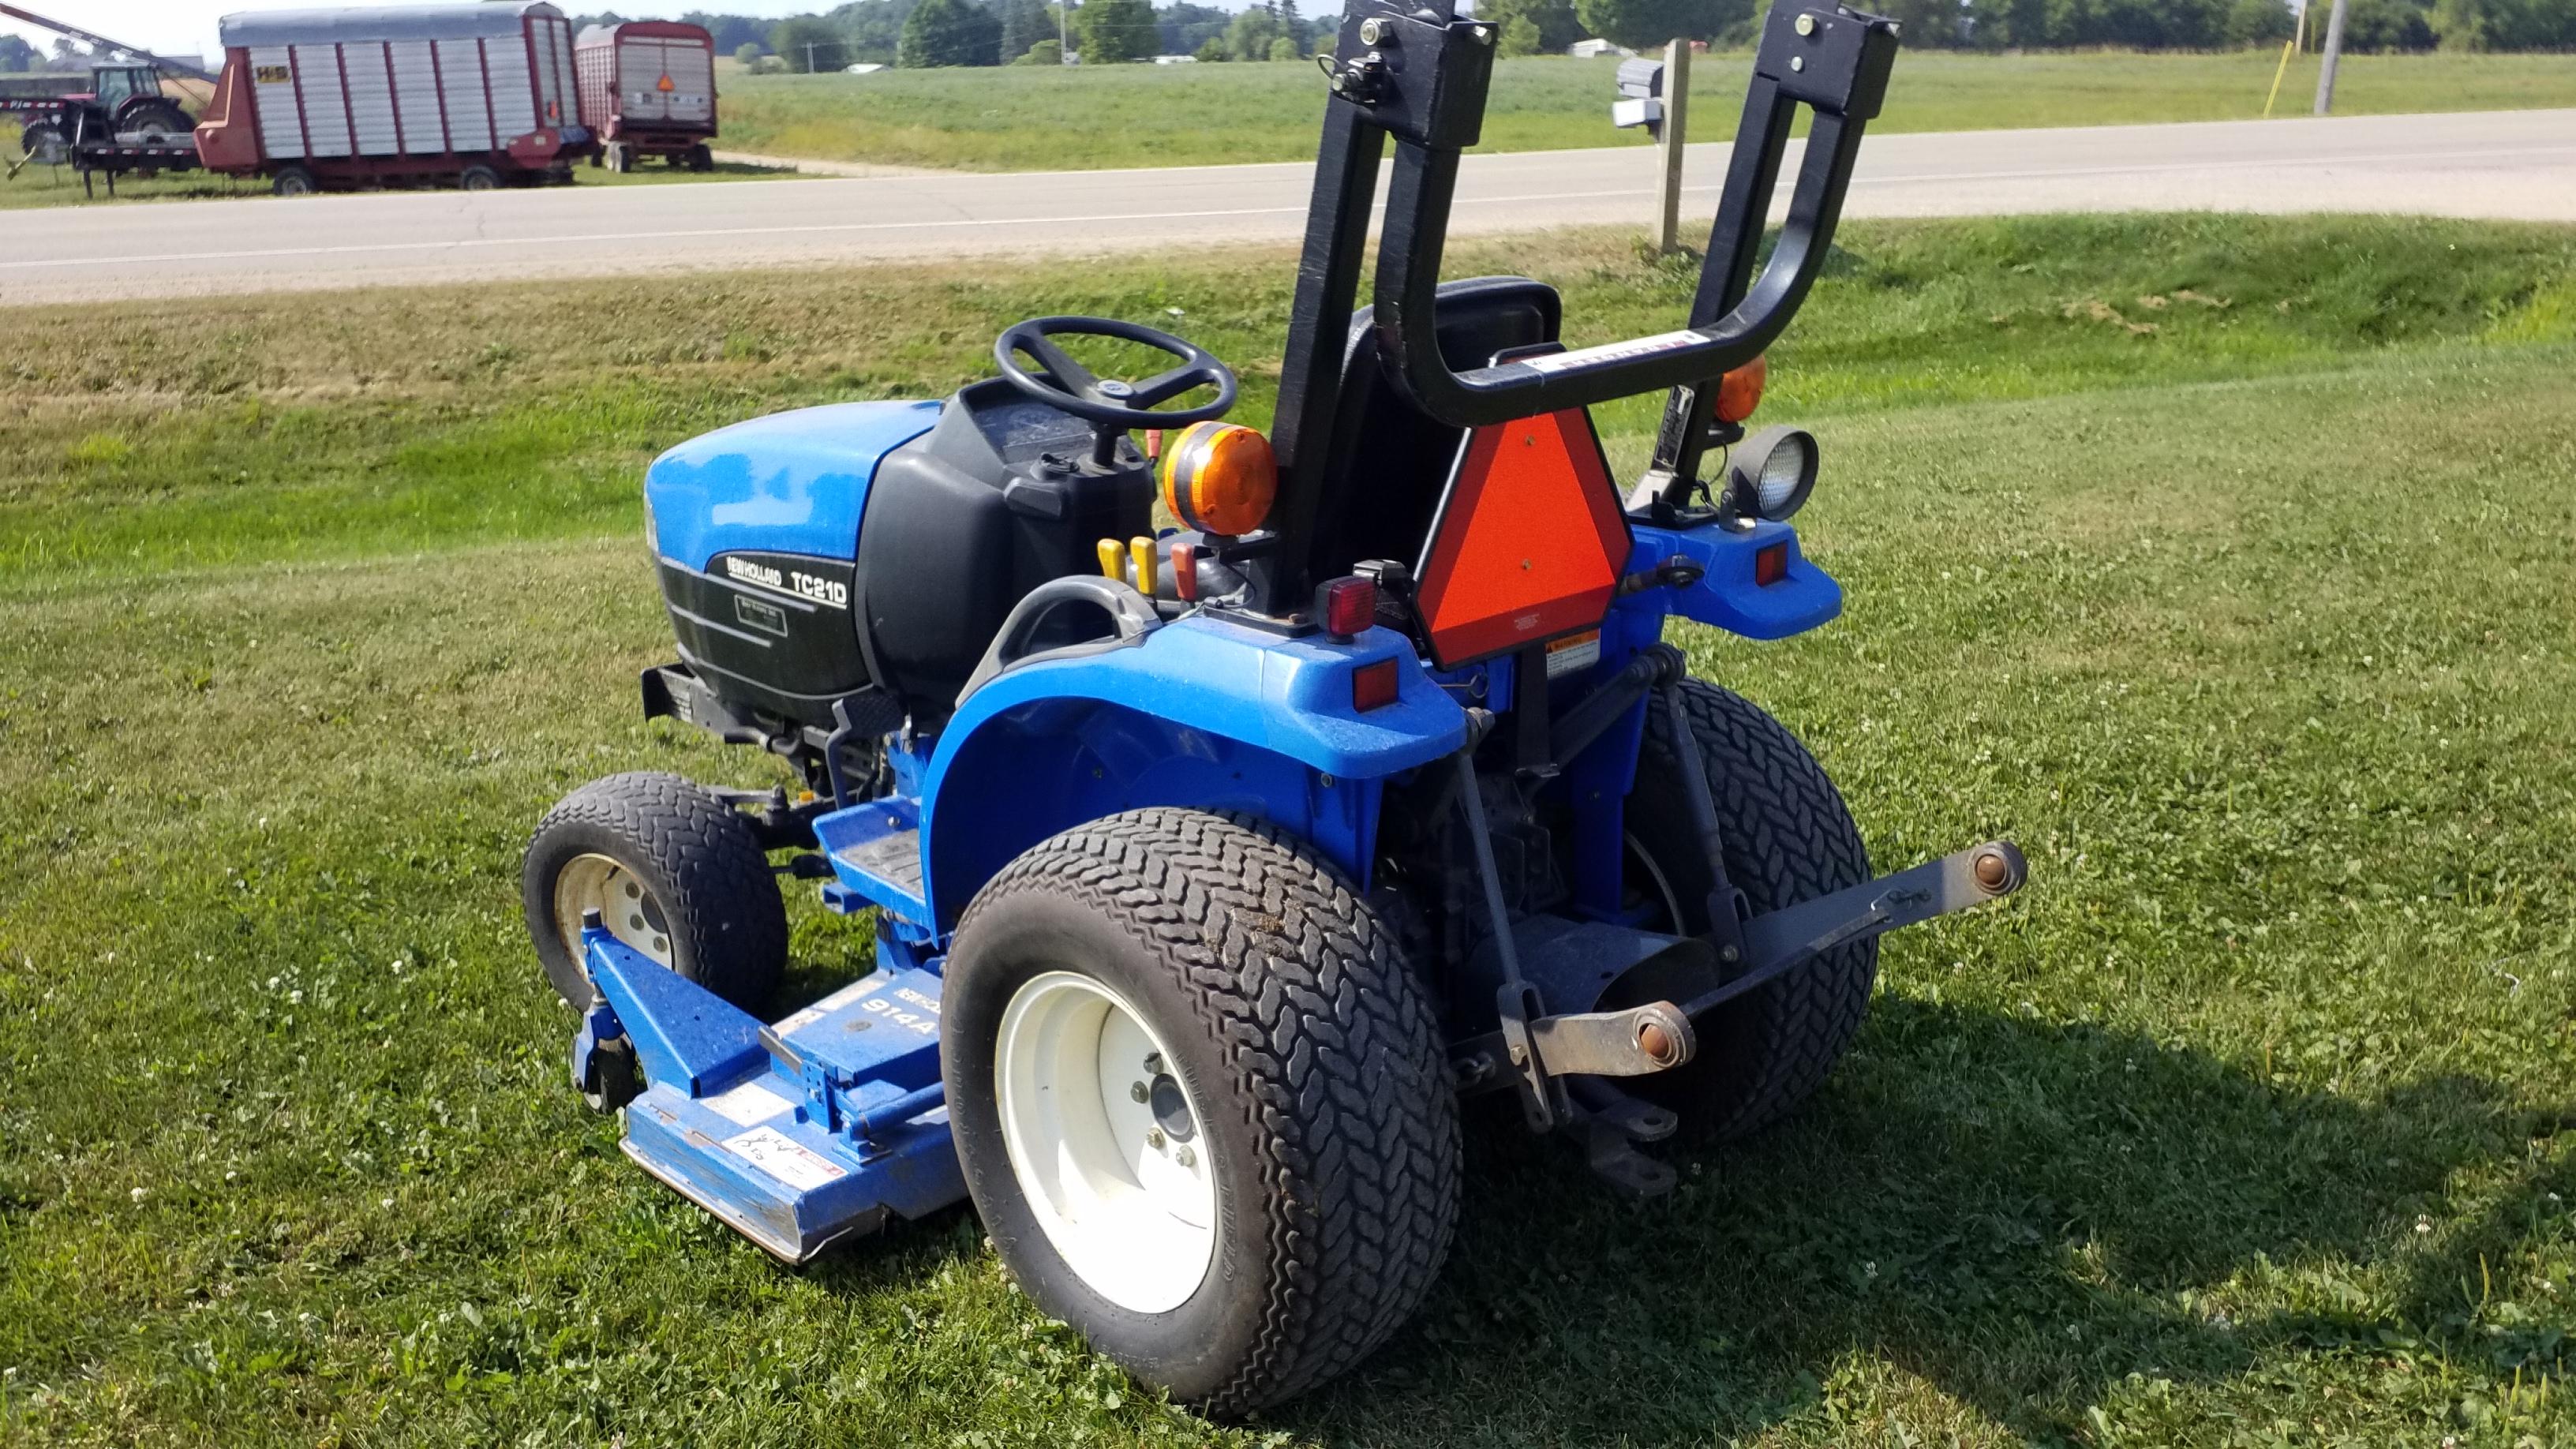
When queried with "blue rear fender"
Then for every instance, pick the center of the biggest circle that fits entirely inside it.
(1726, 594)
(1202, 713)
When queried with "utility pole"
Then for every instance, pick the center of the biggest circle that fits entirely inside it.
(1668, 212)
(2333, 53)
(1063, 32)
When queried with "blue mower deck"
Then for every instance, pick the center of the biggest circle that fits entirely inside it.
(797, 1133)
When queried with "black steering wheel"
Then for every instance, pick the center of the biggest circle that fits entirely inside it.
(1113, 406)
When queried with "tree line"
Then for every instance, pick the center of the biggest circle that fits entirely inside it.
(914, 33)
(924, 33)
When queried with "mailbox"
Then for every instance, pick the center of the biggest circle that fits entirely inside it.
(1641, 97)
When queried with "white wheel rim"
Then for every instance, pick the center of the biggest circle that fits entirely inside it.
(626, 908)
(1121, 1187)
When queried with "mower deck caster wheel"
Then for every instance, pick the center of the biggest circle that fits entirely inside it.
(1200, 1103)
(615, 1080)
(675, 874)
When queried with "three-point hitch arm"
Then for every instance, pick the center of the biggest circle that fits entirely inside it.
(1419, 74)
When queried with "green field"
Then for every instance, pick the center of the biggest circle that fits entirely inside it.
(2224, 563)
(1025, 118)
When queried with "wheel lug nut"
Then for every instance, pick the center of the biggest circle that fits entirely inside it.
(1154, 1138)
(1153, 1064)
(1137, 1092)
(1186, 1158)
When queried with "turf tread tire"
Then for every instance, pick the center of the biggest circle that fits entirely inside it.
(1309, 1002)
(1787, 837)
(698, 857)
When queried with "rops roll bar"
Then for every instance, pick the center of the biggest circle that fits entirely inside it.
(1418, 74)
(1835, 62)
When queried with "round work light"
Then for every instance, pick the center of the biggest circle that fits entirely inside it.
(1770, 474)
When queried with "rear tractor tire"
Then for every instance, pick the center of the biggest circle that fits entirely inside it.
(1787, 837)
(674, 872)
(1201, 1104)
(155, 117)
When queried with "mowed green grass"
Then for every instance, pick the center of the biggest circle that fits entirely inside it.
(1026, 118)
(2246, 1123)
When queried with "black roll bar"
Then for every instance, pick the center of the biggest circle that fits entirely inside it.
(1417, 73)
(1834, 61)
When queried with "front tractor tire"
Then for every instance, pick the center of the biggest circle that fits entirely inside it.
(1200, 1102)
(1787, 837)
(674, 872)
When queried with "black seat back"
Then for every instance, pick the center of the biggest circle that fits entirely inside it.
(1389, 461)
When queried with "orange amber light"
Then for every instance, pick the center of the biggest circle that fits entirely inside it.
(1740, 391)
(1219, 478)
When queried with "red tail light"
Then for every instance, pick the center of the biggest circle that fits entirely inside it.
(1374, 685)
(1770, 564)
(1347, 606)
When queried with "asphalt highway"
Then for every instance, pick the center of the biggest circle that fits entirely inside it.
(2503, 164)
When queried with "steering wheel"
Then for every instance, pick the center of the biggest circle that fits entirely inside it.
(1111, 405)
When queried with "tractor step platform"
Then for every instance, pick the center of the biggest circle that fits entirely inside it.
(797, 1133)
(875, 853)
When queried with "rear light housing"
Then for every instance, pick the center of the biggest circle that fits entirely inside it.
(1375, 685)
(1347, 607)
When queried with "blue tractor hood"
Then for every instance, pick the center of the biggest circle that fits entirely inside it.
(792, 482)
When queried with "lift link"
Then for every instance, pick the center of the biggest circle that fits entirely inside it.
(1516, 1002)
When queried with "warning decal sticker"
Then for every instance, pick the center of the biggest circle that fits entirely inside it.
(784, 1158)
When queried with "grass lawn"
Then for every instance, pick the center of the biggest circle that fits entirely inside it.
(2224, 563)
(60, 186)
(1023, 118)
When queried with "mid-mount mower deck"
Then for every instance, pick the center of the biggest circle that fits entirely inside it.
(1211, 867)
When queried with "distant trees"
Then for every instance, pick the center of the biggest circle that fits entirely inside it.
(2505, 24)
(2369, 25)
(949, 32)
(1049, 51)
(808, 42)
(1024, 24)
(1186, 27)
(1255, 34)
(988, 32)
(2259, 22)
(1646, 24)
(731, 32)
(1552, 21)
(18, 55)
(1113, 31)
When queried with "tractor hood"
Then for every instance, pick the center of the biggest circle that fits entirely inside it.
(793, 482)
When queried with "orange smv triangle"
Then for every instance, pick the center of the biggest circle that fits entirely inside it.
(664, 84)
(1529, 542)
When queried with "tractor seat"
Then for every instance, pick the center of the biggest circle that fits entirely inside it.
(1389, 461)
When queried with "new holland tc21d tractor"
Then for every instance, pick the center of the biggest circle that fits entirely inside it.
(1213, 867)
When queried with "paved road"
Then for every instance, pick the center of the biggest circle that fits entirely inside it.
(2511, 164)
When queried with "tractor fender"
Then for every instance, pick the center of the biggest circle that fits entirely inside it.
(1199, 713)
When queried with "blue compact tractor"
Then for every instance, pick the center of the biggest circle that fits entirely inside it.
(1217, 856)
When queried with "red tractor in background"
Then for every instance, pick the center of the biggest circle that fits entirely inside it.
(123, 100)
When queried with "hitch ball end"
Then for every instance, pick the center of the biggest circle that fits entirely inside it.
(1999, 868)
